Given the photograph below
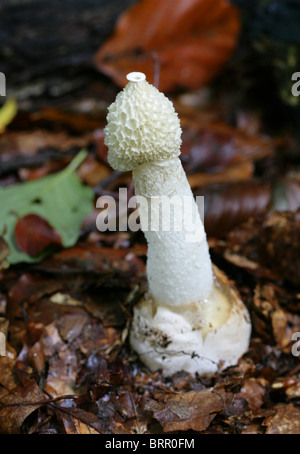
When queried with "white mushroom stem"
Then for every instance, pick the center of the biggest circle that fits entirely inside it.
(191, 319)
(179, 268)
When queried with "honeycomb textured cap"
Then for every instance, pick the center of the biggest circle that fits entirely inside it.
(142, 126)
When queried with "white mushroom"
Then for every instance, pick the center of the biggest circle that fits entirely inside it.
(192, 319)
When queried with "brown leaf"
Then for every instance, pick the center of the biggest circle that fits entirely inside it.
(235, 173)
(285, 421)
(193, 410)
(93, 172)
(77, 122)
(75, 425)
(33, 234)
(36, 357)
(32, 287)
(16, 401)
(16, 144)
(191, 40)
(213, 145)
(102, 261)
(71, 326)
(63, 368)
(228, 205)
(254, 391)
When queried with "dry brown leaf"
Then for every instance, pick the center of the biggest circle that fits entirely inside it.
(193, 410)
(253, 391)
(285, 421)
(191, 39)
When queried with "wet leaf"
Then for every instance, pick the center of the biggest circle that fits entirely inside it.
(191, 40)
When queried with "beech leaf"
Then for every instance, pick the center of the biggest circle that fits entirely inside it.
(190, 39)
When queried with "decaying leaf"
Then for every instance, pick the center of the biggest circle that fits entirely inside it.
(193, 410)
(191, 40)
(285, 421)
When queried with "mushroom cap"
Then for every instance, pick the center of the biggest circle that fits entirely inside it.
(142, 126)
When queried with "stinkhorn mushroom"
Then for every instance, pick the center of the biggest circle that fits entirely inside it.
(191, 319)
